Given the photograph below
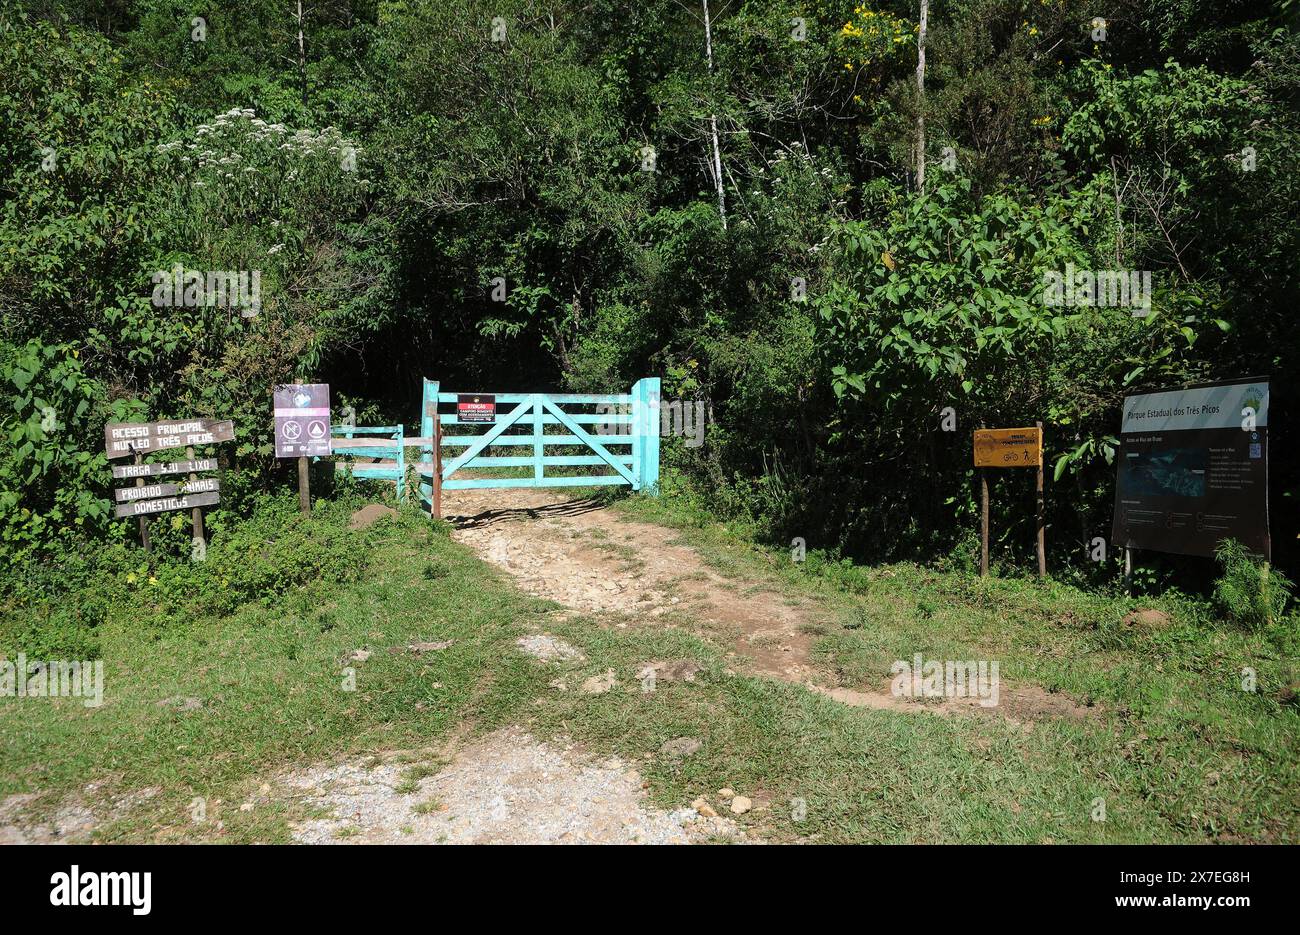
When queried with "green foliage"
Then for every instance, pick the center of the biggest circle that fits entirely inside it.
(940, 304)
(387, 175)
(50, 486)
(1248, 591)
(265, 560)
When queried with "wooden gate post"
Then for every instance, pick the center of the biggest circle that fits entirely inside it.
(401, 462)
(539, 431)
(435, 500)
(645, 419)
(431, 452)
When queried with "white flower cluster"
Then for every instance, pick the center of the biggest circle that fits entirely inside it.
(238, 137)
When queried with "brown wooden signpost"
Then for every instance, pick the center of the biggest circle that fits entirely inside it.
(199, 485)
(167, 504)
(134, 440)
(160, 468)
(1007, 448)
(126, 439)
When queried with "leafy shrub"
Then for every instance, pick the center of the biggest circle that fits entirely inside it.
(1249, 592)
(267, 558)
(263, 560)
(50, 486)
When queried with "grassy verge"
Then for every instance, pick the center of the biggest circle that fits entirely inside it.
(1172, 741)
(1175, 749)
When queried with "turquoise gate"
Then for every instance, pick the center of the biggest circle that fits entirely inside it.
(527, 424)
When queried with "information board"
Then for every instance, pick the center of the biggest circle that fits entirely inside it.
(1193, 469)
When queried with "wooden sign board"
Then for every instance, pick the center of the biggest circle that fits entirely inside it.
(166, 505)
(121, 471)
(149, 491)
(1009, 447)
(124, 439)
(476, 407)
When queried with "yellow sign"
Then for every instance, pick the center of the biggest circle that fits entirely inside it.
(1008, 447)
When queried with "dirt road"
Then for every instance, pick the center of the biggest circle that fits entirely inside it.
(589, 558)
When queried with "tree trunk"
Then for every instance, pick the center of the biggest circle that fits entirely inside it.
(302, 58)
(920, 97)
(713, 120)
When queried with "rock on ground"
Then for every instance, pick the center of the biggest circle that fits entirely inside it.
(548, 648)
(368, 515)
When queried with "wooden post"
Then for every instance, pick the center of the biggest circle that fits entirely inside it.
(435, 499)
(198, 533)
(539, 448)
(1268, 598)
(984, 521)
(1128, 571)
(401, 462)
(1040, 508)
(144, 520)
(304, 485)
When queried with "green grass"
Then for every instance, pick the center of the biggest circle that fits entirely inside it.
(1173, 737)
(1175, 748)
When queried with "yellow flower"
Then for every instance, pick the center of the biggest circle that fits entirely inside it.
(131, 578)
(153, 580)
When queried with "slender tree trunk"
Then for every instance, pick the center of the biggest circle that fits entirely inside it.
(1119, 217)
(302, 58)
(713, 120)
(920, 92)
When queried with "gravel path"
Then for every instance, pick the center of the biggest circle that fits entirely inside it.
(507, 788)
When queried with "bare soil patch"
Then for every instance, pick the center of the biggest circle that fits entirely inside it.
(589, 558)
(72, 821)
(1021, 705)
(506, 788)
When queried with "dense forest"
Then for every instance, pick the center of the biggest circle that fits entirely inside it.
(830, 220)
